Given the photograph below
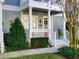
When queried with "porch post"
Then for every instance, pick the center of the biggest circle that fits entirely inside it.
(64, 29)
(49, 22)
(1, 31)
(30, 24)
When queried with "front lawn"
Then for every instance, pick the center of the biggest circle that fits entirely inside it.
(41, 56)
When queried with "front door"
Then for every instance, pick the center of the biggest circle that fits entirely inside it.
(40, 26)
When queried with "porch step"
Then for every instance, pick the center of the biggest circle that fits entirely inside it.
(60, 43)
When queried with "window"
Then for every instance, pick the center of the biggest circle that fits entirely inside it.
(40, 23)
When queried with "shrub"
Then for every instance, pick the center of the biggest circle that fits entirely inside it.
(39, 42)
(16, 37)
(69, 52)
(67, 26)
(5, 39)
(60, 32)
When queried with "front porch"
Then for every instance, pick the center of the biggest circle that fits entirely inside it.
(41, 23)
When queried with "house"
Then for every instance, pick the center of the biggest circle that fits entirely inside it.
(40, 18)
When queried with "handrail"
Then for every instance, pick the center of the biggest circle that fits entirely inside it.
(51, 3)
(67, 34)
(58, 2)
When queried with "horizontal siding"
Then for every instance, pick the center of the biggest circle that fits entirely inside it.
(12, 2)
(8, 16)
(57, 23)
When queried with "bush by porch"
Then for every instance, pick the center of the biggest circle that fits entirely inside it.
(40, 42)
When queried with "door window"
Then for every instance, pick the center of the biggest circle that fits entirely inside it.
(25, 21)
(45, 23)
(35, 22)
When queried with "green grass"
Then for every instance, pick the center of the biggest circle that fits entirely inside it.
(41, 56)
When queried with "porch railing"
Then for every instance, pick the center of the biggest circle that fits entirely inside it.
(58, 42)
(52, 2)
(67, 35)
(57, 2)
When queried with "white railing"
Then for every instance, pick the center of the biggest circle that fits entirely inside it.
(67, 34)
(44, 4)
(58, 42)
(39, 32)
(52, 2)
(27, 1)
(53, 38)
(58, 2)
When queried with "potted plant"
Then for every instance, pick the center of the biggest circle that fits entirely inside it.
(60, 34)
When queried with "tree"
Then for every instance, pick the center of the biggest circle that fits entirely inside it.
(71, 13)
(17, 37)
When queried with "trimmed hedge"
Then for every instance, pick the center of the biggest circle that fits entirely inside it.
(39, 42)
(70, 53)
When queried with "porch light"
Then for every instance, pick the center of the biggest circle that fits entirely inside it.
(25, 17)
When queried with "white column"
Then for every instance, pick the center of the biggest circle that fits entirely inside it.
(1, 31)
(49, 22)
(55, 40)
(30, 24)
(64, 29)
(64, 21)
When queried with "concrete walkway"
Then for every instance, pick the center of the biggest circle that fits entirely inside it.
(27, 52)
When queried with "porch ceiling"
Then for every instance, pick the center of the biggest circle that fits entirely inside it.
(43, 10)
(56, 12)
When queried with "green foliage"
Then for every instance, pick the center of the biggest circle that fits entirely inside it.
(41, 56)
(71, 53)
(67, 26)
(39, 42)
(16, 37)
(5, 39)
(60, 32)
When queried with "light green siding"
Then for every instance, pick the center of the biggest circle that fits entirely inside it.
(8, 16)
